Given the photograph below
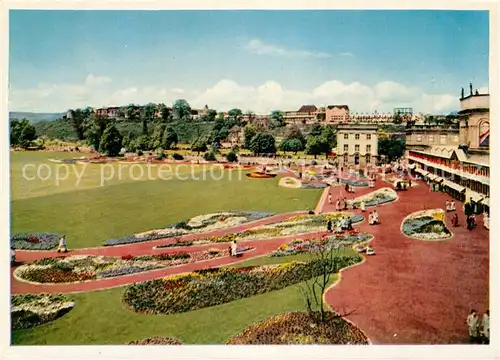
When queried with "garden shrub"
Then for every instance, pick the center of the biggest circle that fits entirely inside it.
(231, 157)
(212, 287)
(177, 156)
(209, 156)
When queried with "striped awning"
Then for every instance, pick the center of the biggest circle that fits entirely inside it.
(438, 179)
(475, 196)
(486, 201)
(453, 186)
(431, 176)
(411, 166)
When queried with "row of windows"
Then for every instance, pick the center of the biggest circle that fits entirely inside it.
(368, 158)
(356, 136)
(430, 138)
(454, 164)
(356, 148)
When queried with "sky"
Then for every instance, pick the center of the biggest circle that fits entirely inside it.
(253, 60)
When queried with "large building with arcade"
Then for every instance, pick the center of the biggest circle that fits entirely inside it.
(456, 157)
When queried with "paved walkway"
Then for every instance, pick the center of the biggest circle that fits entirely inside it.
(412, 291)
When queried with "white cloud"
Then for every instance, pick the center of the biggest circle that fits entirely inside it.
(227, 94)
(259, 47)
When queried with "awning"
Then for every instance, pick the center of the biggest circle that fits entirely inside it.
(422, 172)
(486, 201)
(438, 179)
(411, 166)
(431, 176)
(454, 186)
(474, 196)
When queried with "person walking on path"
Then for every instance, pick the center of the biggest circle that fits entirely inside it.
(448, 206)
(329, 226)
(473, 324)
(363, 206)
(329, 198)
(62, 244)
(485, 327)
(452, 206)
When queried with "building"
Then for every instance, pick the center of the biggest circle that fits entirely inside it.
(307, 114)
(457, 159)
(336, 113)
(357, 144)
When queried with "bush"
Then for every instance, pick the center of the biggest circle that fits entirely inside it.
(209, 156)
(140, 153)
(177, 156)
(221, 285)
(232, 157)
(160, 154)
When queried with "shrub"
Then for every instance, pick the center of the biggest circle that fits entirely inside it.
(140, 153)
(177, 156)
(160, 154)
(212, 287)
(209, 156)
(232, 157)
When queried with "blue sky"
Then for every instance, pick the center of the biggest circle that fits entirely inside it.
(256, 60)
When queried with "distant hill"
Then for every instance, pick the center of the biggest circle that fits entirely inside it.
(35, 117)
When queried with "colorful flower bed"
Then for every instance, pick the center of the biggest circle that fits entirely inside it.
(354, 182)
(215, 286)
(86, 267)
(197, 224)
(157, 340)
(34, 241)
(313, 186)
(314, 245)
(393, 179)
(377, 197)
(31, 310)
(426, 225)
(290, 182)
(260, 175)
(296, 328)
(301, 224)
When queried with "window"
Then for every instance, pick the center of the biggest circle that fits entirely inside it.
(443, 139)
(368, 148)
(368, 136)
(368, 158)
(346, 158)
(419, 138)
(356, 137)
(356, 147)
(346, 148)
(431, 138)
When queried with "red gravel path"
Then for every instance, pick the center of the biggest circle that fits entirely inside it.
(415, 291)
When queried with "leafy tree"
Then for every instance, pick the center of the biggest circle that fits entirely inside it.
(277, 119)
(235, 115)
(231, 157)
(170, 138)
(111, 141)
(165, 115)
(148, 112)
(142, 142)
(22, 133)
(200, 145)
(132, 113)
(316, 130)
(78, 118)
(210, 115)
(293, 132)
(317, 145)
(157, 136)
(293, 145)
(391, 148)
(182, 109)
(248, 134)
(397, 119)
(95, 129)
(330, 136)
(263, 143)
(209, 156)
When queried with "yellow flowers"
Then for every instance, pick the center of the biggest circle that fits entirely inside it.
(438, 215)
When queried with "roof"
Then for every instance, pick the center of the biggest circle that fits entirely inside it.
(308, 108)
(338, 106)
(446, 152)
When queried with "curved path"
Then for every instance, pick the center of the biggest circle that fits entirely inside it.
(412, 291)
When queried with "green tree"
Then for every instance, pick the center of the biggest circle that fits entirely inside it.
(293, 145)
(157, 136)
(111, 141)
(200, 145)
(22, 133)
(170, 138)
(231, 157)
(317, 145)
(316, 130)
(397, 119)
(209, 156)
(142, 142)
(277, 119)
(132, 113)
(78, 118)
(182, 109)
(95, 128)
(165, 114)
(330, 136)
(263, 143)
(293, 132)
(248, 134)
(391, 148)
(235, 115)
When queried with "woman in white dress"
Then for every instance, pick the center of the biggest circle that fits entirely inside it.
(452, 206)
(234, 248)
(62, 244)
(363, 206)
(448, 206)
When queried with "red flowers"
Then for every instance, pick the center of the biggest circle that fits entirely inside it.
(127, 257)
(33, 239)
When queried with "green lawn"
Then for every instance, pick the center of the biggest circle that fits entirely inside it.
(99, 318)
(90, 214)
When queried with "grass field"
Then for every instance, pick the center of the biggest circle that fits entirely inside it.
(99, 318)
(90, 214)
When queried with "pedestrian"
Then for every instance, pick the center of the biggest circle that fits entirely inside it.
(485, 327)
(452, 206)
(337, 205)
(62, 244)
(448, 206)
(409, 183)
(454, 220)
(473, 323)
(329, 226)
(363, 206)
(345, 203)
(329, 198)
(234, 248)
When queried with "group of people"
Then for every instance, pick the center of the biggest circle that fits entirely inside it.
(349, 188)
(471, 221)
(340, 205)
(345, 223)
(373, 218)
(450, 206)
(479, 331)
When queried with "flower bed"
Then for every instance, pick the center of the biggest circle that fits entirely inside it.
(197, 224)
(290, 182)
(377, 197)
(426, 225)
(35, 241)
(313, 186)
(311, 246)
(393, 179)
(260, 175)
(85, 267)
(31, 310)
(157, 340)
(354, 182)
(301, 224)
(215, 286)
(297, 328)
